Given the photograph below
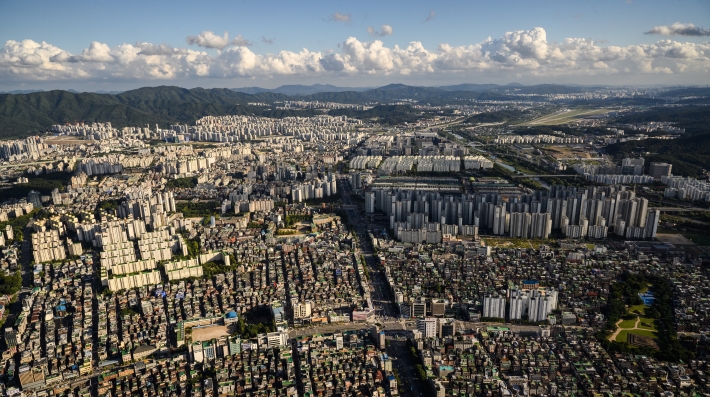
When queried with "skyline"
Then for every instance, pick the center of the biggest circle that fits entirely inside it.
(48, 45)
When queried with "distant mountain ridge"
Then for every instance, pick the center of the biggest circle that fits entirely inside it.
(19, 92)
(300, 89)
(31, 113)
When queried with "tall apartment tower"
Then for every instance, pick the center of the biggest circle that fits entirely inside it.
(369, 202)
(519, 302)
(632, 166)
(494, 307)
(652, 223)
(499, 220)
(658, 170)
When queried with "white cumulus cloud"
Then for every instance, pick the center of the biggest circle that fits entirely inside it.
(159, 49)
(385, 30)
(679, 29)
(518, 54)
(241, 42)
(208, 39)
(97, 52)
(339, 17)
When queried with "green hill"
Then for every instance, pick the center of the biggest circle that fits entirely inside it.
(26, 114)
(385, 114)
(34, 113)
(393, 92)
(695, 119)
(689, 91)
(21, 115)
(689, 155)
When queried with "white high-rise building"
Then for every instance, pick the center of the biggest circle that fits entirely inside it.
(499, 220)
(427, 326)
(494, 307)
(369, 202)
(519, 303)
(540, 307)
(302, 310)
(541, 226)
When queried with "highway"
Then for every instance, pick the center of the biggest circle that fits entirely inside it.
(34, 163)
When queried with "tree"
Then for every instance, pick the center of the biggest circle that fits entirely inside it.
(9, 285)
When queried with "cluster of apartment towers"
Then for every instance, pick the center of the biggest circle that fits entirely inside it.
(530, 303)
(577, 212)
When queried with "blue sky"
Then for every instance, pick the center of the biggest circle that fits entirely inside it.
(276, 26)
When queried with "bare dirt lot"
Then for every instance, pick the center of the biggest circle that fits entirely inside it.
(566, 152)
(65, 140)
(209, 333)
(677, 239)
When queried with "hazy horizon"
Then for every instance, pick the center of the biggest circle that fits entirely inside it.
(101, 90)
(48, 45)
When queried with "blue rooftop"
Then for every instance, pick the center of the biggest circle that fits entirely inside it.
(231, 315)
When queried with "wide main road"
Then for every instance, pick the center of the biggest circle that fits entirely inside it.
(394, 328)
(380, 294)
(379, 289)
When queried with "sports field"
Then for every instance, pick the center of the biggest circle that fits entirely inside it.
(208, 333)
(564, 116)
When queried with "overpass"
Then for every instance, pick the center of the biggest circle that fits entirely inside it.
(543, 176)
(680, 209)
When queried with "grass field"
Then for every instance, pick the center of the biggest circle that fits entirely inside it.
(647, 323)
(622, 337)
(637, 309)
(627, 324)
(563, 117)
